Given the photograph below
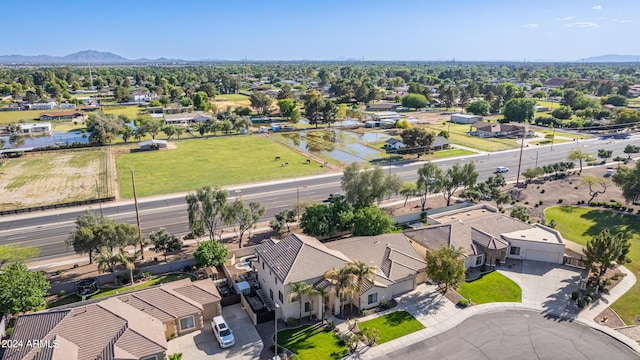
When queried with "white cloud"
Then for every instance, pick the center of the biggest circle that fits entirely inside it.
(582, 24)
(566, 18)
(531, 25)
(625, 21)
(597, 7)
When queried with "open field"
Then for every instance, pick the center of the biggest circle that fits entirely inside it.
(215, 161)
(230, 100)
(581, 224)
(10, 117)
(129, 111)
(51, 178)
(458, 135)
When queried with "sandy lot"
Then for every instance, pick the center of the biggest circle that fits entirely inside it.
(53, 177)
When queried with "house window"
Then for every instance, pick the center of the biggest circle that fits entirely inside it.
(514, 250)
(152, 357)
(479, 260)
(187, 323)
(271, 294)
(262, 266)
(276, 279)
(280, 296)
(372, 298)
(307, 307)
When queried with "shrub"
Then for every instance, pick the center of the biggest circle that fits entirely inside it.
(601, 288)
(608, 282)
(291, 321)
(526, 203)
(615, 277)
(575, 295)
(560, 201)
(187, 269)
(62, 293)
(581, 303)
(542, 191)
(540, 202)
(423, 215)
(536, 205)
(75, 266)
(552, 224)
(630, 209)
(330, 326)
(483, 267)
(588, 299)
(463, 302)
(385, 304)
(58, 272)
(591, 294)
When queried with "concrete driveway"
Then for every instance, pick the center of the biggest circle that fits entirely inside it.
(545, 286)
(201, 345)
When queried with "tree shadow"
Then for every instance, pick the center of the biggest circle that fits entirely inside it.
(614, 221)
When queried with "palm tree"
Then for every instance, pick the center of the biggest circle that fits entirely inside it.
(342, 283)
(580, 155)
(297, 290)
(107, 261)
(128, 261)
(361, 272)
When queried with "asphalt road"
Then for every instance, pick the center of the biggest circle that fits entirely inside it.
(49, 230)
(517, 335)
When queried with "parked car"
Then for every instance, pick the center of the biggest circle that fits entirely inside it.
(502, 169)
(223, 334)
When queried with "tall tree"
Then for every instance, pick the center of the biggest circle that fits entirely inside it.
(329, 110)
(107, 260)
(361, 272)
(429, 181)
(260, 101)
(313, 106)
(408, 189)
(417, 140)
(22, 290)
(243, 217)
(631, 149)
(519, 110)
(342, 283)
(578, 154)
(206, 210)
(605, 250)
(201, 101)
(164, 242)
(479, 107)
(445, 266)
(414, 101)
(604, 154)
(592, 182)
(289, 109)
(628, 179)
(298, 290)
(88, 237)
(455, 177)
(371, 221)
(363, 188)
(103, 128)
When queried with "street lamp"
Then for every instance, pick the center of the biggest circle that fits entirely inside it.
(276, 333)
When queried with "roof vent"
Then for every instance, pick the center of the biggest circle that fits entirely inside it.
(545, 239)
(453, 217)
(523, 236)
(468, 214)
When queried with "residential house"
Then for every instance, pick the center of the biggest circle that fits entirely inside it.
(488, 130)
(555, 82)
(386, 116)
(42, 106)
(153, 144)
(394, 144)
(440, 143)
(383, 106)
(488, 237)
(143, 96)
(181, 119)
(465, 118)
(109, 329)
(67, 106)
(73, 115)
(36, 128)
(302, 258)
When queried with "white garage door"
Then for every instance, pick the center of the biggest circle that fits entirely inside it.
(403, 286)
(538, 255)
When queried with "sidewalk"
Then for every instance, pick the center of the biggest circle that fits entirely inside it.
(438, 315)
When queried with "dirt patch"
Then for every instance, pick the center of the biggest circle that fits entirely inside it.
(52, 177)
(609, 318)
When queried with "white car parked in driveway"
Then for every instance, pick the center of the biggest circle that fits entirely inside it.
(502, 169)
(223, 334)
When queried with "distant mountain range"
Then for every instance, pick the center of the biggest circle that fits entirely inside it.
(612, 58)
(84, 57)
(101, 57)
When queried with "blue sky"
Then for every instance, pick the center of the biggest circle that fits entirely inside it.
(325, 30)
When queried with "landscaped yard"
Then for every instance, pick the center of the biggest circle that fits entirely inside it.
(393, 325)
(215, 161)
(312, 343)
(491, 287)
(581, 224)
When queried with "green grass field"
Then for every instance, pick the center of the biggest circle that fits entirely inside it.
(11, 117)
(393, 325)
(550, 104)
(231, 97)
(458, 135)
(564, 134)
(217, 161)
(129, 111)
(581, 224)
(442, 154)
(311, 343)
(491, 287)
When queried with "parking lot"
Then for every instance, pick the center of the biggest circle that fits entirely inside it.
(201, 345)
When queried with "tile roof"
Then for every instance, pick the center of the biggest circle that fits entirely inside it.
(160, 303)
(296, 257)
(201, 292)
(108, 329)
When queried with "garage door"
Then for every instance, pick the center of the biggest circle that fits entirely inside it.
(403, 286)
(538, 255)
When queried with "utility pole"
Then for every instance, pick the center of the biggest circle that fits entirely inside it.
(520, 160)
(135, 200)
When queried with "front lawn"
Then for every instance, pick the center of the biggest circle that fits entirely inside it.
(216, 161)
(491, 287)
(581, 224)
(393, 325)
(312, 343)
